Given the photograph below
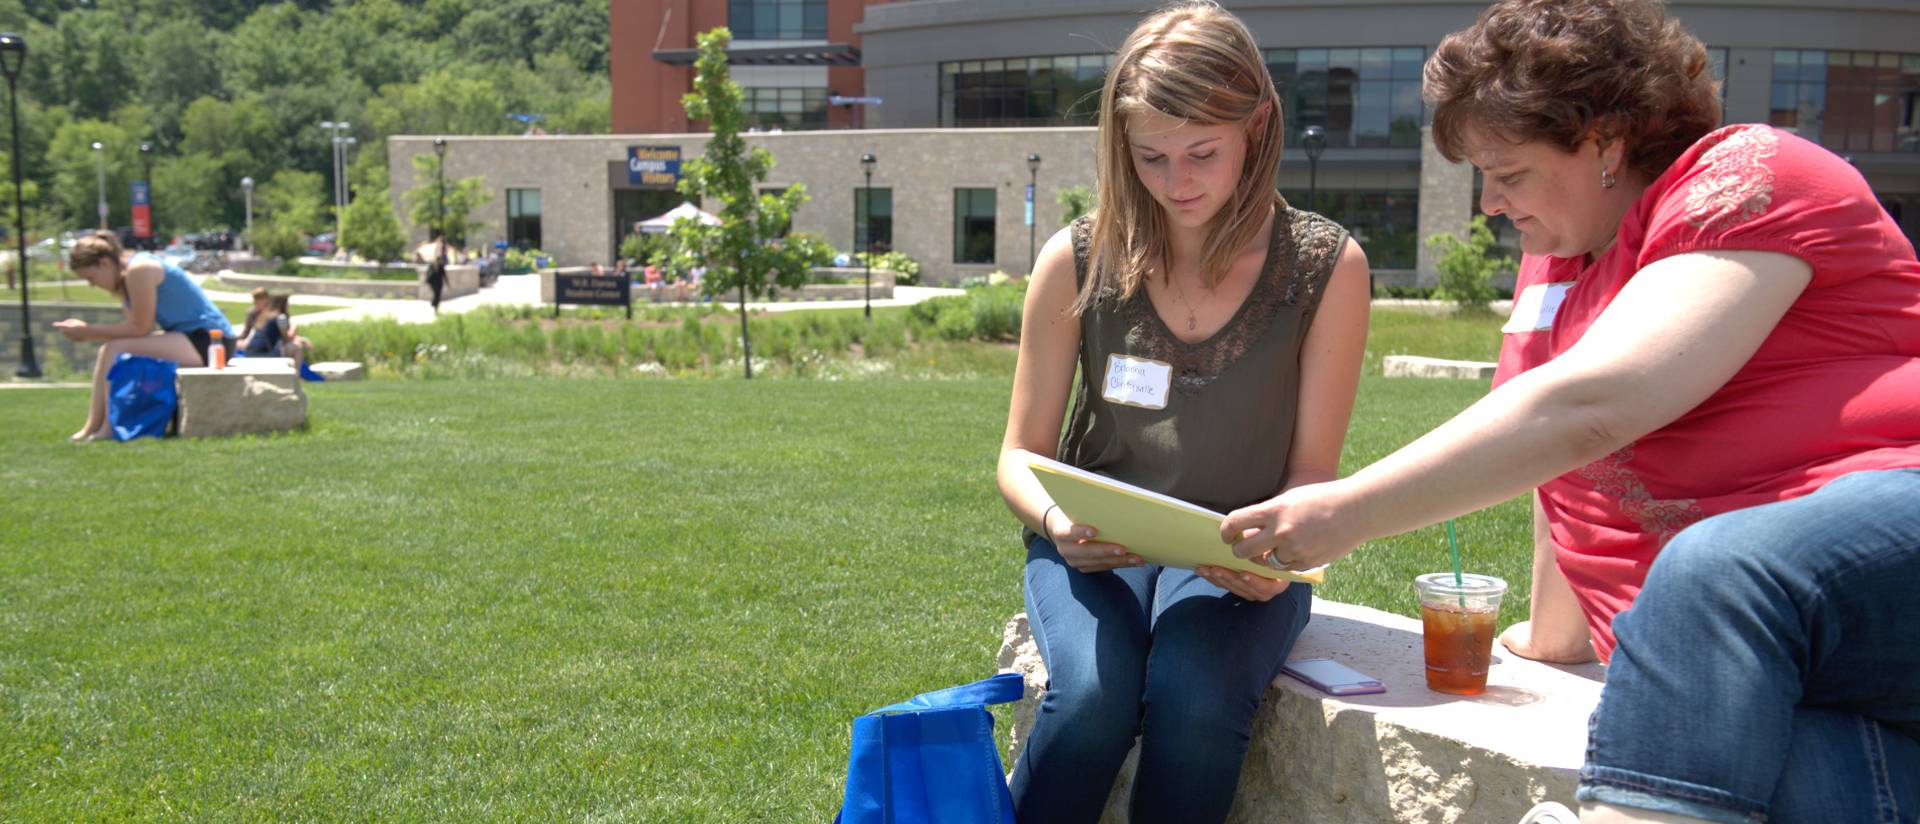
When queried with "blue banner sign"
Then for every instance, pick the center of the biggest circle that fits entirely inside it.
(654, 167)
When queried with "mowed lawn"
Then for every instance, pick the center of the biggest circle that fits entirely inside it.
(624, 600)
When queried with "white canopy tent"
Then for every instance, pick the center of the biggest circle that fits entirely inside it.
(665, 222)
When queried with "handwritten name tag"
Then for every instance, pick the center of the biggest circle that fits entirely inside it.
(1536, 307)
(1137, 382)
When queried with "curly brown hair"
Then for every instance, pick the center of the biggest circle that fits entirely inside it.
(1559, 70)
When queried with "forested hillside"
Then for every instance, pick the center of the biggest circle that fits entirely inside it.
(226, 89)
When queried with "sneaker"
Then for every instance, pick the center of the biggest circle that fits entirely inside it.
(1550, 812)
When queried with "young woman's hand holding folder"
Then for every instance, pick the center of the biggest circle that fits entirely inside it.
(1077, 545)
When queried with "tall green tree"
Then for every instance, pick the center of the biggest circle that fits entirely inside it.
(189, 194)
(76, 182)
(295, 199)
(741, 253)
(370, 228)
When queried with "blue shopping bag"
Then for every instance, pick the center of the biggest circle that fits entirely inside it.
(141, 396)
(931, 760)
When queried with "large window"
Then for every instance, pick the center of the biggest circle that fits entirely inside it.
(1384, 222)
(1905, 210)
(872, 219)
(523, 218)
(777, 19)
(1022, 91)
(973, 226)
(784, 108)
(1848, 101)
(1362, 97)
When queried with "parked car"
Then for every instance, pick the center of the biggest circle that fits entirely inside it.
(179, 254)
(321, 244)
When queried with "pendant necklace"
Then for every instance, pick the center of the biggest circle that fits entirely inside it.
(1192, 323)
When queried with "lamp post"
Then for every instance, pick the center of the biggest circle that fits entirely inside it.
(13, 55)
(1315, 141)
(440, 199)
(867, 162)
(100, 158)
(246, 186)
(339, 183)
(153, 226)
(1033, 180)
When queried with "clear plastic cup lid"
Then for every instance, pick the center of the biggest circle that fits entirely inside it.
(1442, 583)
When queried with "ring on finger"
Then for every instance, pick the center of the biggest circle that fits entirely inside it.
(1273, 561)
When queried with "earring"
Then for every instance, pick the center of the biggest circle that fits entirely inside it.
(1606, 178)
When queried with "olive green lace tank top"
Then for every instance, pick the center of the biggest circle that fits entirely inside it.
(1223, 439)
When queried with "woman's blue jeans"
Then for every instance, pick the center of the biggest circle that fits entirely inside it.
(1154, 652)
(1770, 669)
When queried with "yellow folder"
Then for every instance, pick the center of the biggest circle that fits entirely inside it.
(1158, 528)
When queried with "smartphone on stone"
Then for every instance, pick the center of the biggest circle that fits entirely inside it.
(1332, 677)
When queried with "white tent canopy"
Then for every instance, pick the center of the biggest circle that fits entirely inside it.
(665, 222)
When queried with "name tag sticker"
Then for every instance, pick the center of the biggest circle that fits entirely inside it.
(1536, 307)
(1137, 382)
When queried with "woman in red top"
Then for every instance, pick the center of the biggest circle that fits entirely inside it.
(1713, 361)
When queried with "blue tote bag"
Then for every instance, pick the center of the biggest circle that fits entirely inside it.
(141, 396)
(931, 760)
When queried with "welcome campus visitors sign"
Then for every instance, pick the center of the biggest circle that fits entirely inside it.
(653, 166)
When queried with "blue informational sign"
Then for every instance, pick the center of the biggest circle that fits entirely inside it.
(653, 167)
(1029, 204)
(140, 196)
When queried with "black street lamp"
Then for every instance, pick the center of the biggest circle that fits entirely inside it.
(1033, 221)
(440, 184)
(867, 162)
(153, 226)
(13, 56)
(1315, 142)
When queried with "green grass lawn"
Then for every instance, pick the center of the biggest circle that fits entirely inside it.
(536, 598)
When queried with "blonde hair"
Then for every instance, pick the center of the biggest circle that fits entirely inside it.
(97, 246)
(1195, 62)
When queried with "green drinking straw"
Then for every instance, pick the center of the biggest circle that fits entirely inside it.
(1454, 547)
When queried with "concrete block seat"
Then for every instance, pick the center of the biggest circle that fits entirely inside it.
(340, 370)
(251, 395)
(1414, 366)
(1406, 755)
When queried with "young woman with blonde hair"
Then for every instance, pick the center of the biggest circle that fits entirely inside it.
(156, 295)
(1259, 312)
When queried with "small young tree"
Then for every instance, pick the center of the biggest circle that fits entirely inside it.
(746, 252)
(463, 196)
(371, 228)
(1467, 267)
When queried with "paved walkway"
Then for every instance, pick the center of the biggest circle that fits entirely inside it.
(524, 290)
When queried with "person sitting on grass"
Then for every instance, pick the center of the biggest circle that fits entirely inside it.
(155, 294)
(260, 297)
(292, 344)
(269, 337)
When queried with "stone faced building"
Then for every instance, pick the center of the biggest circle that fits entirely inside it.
(951, 97)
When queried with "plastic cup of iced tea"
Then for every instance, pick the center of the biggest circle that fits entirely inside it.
(1458, 619)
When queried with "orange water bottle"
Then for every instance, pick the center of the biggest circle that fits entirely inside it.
(216, 351)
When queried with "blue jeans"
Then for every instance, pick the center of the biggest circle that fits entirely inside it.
(1770, 670)
(1154, 652)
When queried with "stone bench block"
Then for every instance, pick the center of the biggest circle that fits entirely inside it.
(216, 402)
(261, 364)
(340, 370)
(1414, 366)
(1406, 755)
